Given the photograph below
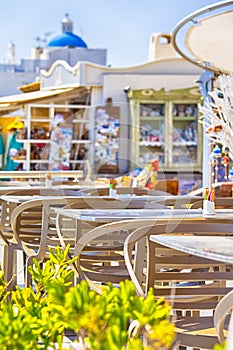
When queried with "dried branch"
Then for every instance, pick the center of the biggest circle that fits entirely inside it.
(217, 115)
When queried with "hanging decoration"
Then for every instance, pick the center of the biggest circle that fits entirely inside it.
(217, 120)
(217, 114)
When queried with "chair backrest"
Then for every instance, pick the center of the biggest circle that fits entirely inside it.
(34, 228)
(15, 183)
(34, 225)
(6, 233)
(163, 198)
(30, 227)
(8, 207)
(162, 187)
(170, 272)
(104, 245)
(137, 191)
(67, 227)
(43, 191)
(34, 222)
(224, 307)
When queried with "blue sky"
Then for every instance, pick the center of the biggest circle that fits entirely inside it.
(123, 27)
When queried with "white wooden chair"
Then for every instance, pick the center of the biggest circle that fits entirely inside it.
(191, 284)
(163, 198)
(221, 316)
(10, 245)
(68, 226)
(100, 252)
(34, 225)
(10, 183)
(137, 191)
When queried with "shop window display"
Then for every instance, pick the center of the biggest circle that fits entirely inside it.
(60, 144)
(107, 131)
(165, 127)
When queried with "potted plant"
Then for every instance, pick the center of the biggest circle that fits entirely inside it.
(38, 317)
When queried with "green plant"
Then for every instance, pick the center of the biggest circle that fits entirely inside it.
(103, 320)
(36, 318)
(27, 315)
(222, 346)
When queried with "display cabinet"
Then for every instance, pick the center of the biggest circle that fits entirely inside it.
(152, 131)
(39, 123)
(185, 132)
(164, 125)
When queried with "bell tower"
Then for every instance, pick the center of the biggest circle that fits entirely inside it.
(67, 24)
(10, 56)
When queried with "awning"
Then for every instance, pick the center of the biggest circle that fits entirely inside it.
(14, 102)
(34, 86)
(31, 96)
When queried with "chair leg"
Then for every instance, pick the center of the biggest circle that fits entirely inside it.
(5, 260)
(28, 277)
(21, 263)
(10, 266)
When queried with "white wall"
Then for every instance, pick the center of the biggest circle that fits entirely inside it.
(11, 81)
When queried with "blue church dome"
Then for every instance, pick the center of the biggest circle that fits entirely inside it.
(67, 38)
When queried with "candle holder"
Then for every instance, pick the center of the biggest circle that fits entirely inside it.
(208, 208)
(208, 202)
